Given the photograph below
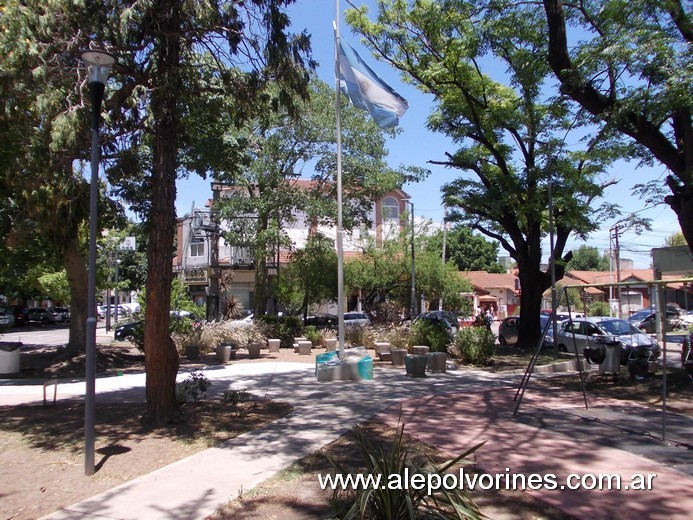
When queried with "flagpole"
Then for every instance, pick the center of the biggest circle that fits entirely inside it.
(340, 245)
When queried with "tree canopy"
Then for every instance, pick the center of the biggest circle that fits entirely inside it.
(587, 258)
(630, 63)
(512, 139)
(289, 177)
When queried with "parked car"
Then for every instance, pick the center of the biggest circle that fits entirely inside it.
(578, 333)
(356, 318)
(242, 322)
(63, 314)
(129, 331)
(322, 321)
(508, 330)
(6, 317)
(41, 315)
(447, 318)
(649, 323)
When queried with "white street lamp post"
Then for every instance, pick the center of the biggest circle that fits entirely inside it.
(98, 65)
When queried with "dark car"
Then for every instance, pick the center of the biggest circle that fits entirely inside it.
(322, 321)
(446, 320)
(649, 323)
(509, 327)
(132, 331)
(41, 315)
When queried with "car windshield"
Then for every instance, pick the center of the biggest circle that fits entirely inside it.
(618, 327)
(640, 315)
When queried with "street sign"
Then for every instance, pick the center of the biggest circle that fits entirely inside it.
(128, 244)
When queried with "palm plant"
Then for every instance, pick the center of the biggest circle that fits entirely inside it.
(404, 502)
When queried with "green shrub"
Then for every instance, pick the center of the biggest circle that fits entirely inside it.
(404, 502)
(431, 333)
(312, 334)
(599, 309)
(196, 385)
(474, 345)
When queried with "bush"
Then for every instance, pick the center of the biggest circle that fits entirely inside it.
(196, 386)
(214, 334)
(312, 334)
(431, 333)
(474, 345)
(397, 335)
(599, 309)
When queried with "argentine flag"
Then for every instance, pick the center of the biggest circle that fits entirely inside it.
(366, 90)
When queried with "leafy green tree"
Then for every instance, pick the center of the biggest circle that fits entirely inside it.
(44, 130)
(384, 273)
(586, 258)
(631, 65)
(311, 276)
(176, 60)
(675, 239)
(268, 194)
(469, 251)
(511, 138)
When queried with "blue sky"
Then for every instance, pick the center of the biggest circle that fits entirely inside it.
(416, 145)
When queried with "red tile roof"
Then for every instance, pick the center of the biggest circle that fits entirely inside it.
(485, 280)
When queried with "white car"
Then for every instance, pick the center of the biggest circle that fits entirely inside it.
(356, 318)
(243, 322)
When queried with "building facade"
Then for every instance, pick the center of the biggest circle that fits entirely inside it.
(211, 267)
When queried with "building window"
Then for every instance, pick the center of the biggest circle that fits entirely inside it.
(390, 209)
(197, 247)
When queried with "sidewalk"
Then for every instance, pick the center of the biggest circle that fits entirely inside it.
(552, 433)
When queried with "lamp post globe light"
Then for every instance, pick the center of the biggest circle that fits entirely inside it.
(98, 65)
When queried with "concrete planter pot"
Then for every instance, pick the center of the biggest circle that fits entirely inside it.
(274, 344)
(416, 365)
(192, 352)
(226, 353)
(254, 350)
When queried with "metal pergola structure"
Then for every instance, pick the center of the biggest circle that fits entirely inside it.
(654, 285)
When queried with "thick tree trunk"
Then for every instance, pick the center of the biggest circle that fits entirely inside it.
(77, 280)
(533, 285)
(161, 357)
(681, 201)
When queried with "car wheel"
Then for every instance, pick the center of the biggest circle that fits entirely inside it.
(502, 341)
(562, 348)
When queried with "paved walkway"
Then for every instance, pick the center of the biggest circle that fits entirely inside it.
(551, 434)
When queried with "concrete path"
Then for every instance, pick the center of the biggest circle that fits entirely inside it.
(552, 434)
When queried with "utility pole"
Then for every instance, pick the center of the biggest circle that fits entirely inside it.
(618, 267)
(445, 232)
(413, 264)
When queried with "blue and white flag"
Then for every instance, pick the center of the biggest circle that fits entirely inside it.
(366, 90)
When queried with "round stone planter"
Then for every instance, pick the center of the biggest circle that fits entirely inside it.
(397, 356)
(225, 353)
(254, 350)
(330, 344)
